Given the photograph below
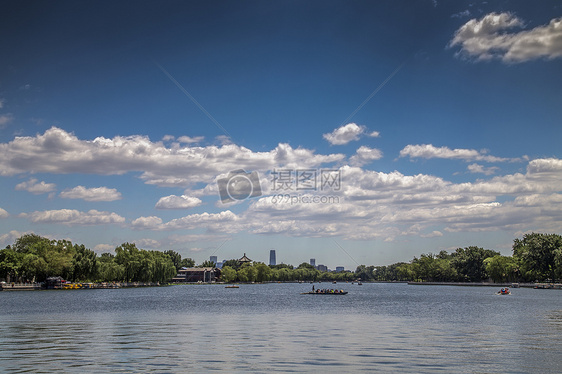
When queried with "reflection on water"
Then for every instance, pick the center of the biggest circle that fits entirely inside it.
(263, 328)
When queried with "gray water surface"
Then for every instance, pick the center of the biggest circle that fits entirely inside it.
(272, 327)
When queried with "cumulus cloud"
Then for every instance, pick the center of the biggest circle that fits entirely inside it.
(73, 217)
(545, 166)
(4, 213)
(35, 187)
(347, 133)
(210, 221)
(494, 36)
(383, 205)
(430, 151)
(370, 204)
(178, 202)
(365, 155)
(91, 194)
(149, 223)
(387, 205)
(59, 152)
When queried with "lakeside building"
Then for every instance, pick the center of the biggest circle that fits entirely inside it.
(322, 267)
(206, 275)
(272, 259)
(340, 269)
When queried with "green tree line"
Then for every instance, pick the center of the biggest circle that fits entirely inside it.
(536, 257)
(34, 258)
(232, 271)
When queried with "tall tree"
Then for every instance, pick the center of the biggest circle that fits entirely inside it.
(175, 257)
(84, 264)
(469, 263)
(538, 253)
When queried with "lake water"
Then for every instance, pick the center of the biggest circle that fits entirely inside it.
(271, 327)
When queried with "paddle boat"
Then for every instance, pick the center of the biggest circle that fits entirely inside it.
(504, 291)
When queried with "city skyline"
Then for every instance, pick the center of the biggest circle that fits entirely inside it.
(358, 133)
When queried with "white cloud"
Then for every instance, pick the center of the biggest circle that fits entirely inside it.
(476, 168)
(493, 37)
(365, 155)
(380, 205)
(210, 221)
(347, 133)
(59, 152)
(73, 217)
(371, 204)
(545, 166)
(189, 140)
(149, 223)
(4, 213)
(91, 194)
(178, 202)
(388, 205)
(36, 188)
(430, 151)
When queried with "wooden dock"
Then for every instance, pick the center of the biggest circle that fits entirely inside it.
(19, 286)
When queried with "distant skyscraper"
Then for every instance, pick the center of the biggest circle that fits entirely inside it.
(214, 259)
(313, 262)
(339, 269)
(272, 257)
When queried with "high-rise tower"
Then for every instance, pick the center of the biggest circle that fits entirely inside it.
(272, 257)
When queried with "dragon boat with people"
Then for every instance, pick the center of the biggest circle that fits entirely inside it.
(325, 292)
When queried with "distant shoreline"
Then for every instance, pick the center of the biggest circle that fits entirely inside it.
(486, 284)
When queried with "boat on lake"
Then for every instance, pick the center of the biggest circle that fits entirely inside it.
(325, 292)
(232, 286)
(504, 291)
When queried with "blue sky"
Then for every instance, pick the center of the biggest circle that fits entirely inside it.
(442, 119)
